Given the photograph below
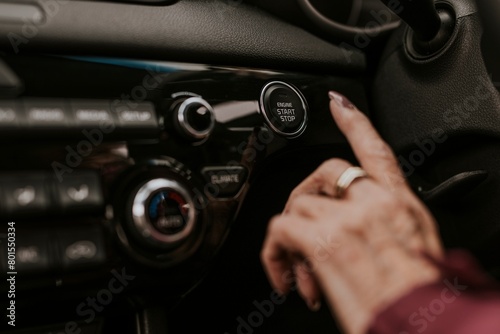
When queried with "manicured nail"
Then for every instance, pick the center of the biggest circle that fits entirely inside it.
(314, 305)
(341, 100)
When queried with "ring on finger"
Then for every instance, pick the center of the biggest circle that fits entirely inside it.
(346, 179)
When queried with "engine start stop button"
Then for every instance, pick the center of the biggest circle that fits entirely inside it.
(284, 109)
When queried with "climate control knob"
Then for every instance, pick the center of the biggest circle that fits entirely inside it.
(163, 213)
(194, 118)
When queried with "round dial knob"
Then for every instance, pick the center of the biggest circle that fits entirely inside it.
(194, 118)
(163, 212)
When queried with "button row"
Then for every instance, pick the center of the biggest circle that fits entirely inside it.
(34, 194)
(43, 251)
(55, 118)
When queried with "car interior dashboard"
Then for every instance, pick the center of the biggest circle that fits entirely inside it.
(146, 144)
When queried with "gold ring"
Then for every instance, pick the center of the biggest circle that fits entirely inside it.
(347, 178)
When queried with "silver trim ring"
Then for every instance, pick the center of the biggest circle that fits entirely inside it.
(140, 207)
(266, 117)
(184, 124)
(345, 180)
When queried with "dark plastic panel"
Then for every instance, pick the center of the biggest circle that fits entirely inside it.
(200, 31)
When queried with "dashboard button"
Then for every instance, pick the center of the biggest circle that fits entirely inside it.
(225, 181)
(33, 253)
(284, 109)
(80, 192)
(51, 114)
(83, 247)
(91, 113)
(10, 114)
(140, 116)
(25, 194)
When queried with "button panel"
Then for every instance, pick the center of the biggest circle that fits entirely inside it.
(34, 194)
(284, 109)
(60, 118)
(39, 251)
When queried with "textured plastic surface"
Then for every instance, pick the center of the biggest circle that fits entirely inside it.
(450, 94)
(200, 31)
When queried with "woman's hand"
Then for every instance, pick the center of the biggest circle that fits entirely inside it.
(362, 251)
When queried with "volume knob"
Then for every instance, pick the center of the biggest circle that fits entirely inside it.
(194, 119)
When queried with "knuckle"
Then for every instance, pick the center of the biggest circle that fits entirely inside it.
(264, 255)
(330, 167)
(300, 202)
(294, 194)
(330, 164)
(275, 225)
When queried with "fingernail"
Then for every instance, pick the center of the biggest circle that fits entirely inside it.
(341, 100)
(314, 305)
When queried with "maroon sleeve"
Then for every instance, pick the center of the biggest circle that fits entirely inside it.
(464, 301)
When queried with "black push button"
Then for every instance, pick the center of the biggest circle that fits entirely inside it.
(10, 115)
(34, 194)
(81, 248)
(33, 253)
(284, 109)
(92, 114)
(140, 116)
(80, 192)
(25, 194)
(46, 114)
(225, 181)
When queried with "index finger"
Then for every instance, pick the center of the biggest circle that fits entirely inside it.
(373, 153)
